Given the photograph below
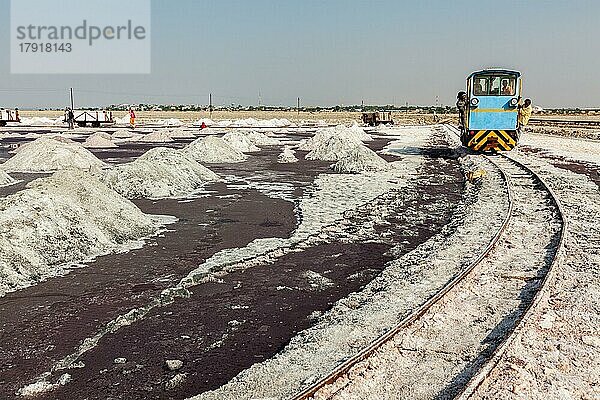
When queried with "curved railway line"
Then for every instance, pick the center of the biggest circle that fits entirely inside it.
(516, 177)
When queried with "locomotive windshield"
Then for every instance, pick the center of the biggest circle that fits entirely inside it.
(494, 85)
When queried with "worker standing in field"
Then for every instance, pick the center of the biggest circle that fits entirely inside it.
(461, 105)
(70, 118)
(132, 118)
(525, 111)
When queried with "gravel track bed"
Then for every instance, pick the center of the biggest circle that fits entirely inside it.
(556, 353)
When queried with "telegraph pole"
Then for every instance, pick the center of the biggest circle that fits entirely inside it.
(210, 106)
(72, 99)
(298, 105)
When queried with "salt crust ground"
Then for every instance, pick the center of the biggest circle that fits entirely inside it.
(556, 354)
(331, 197)
(213, 149)
(159, 173)
(428, 359)
(51, 154)
(356, 320)
(570, 148)
(65, 218)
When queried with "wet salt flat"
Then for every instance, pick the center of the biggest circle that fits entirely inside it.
(169, 262)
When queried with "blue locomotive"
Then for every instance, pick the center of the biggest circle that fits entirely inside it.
(490, 120)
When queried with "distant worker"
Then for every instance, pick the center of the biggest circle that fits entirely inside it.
(70, 118)
(132, 118)
(203, 126)
(17, 117)
(461, 104)
(525, 111)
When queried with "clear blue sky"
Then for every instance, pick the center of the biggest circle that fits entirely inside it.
(339, 52)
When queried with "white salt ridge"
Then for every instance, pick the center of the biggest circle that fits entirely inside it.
(47, 155)
(158, 136)
(159, 173)
(38, 238)
(287, 156)
(43, 386)
(239, 141)
(213, 149)
(360, 159)
(100, 140)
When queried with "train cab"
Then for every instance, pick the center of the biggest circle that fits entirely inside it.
(491, 116)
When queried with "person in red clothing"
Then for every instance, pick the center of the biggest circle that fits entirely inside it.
(132, 118)
(203, 126)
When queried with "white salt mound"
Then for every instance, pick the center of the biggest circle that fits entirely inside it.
(47, 155)
(156, 137)
(240, 142)
(212, 149)
(122, 134)
(287, 156)
(5, 179)
(354, 133)
(360, 159)
(99, 140)
(332, 149)
(67, 217)
(159, 173)
(261, 139)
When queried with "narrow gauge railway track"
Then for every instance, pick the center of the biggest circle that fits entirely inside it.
(512, 172)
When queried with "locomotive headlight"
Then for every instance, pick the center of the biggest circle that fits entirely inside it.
(474, 101)
(514, 102)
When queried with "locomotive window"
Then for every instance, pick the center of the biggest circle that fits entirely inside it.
(496, 85)
(480, 87)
